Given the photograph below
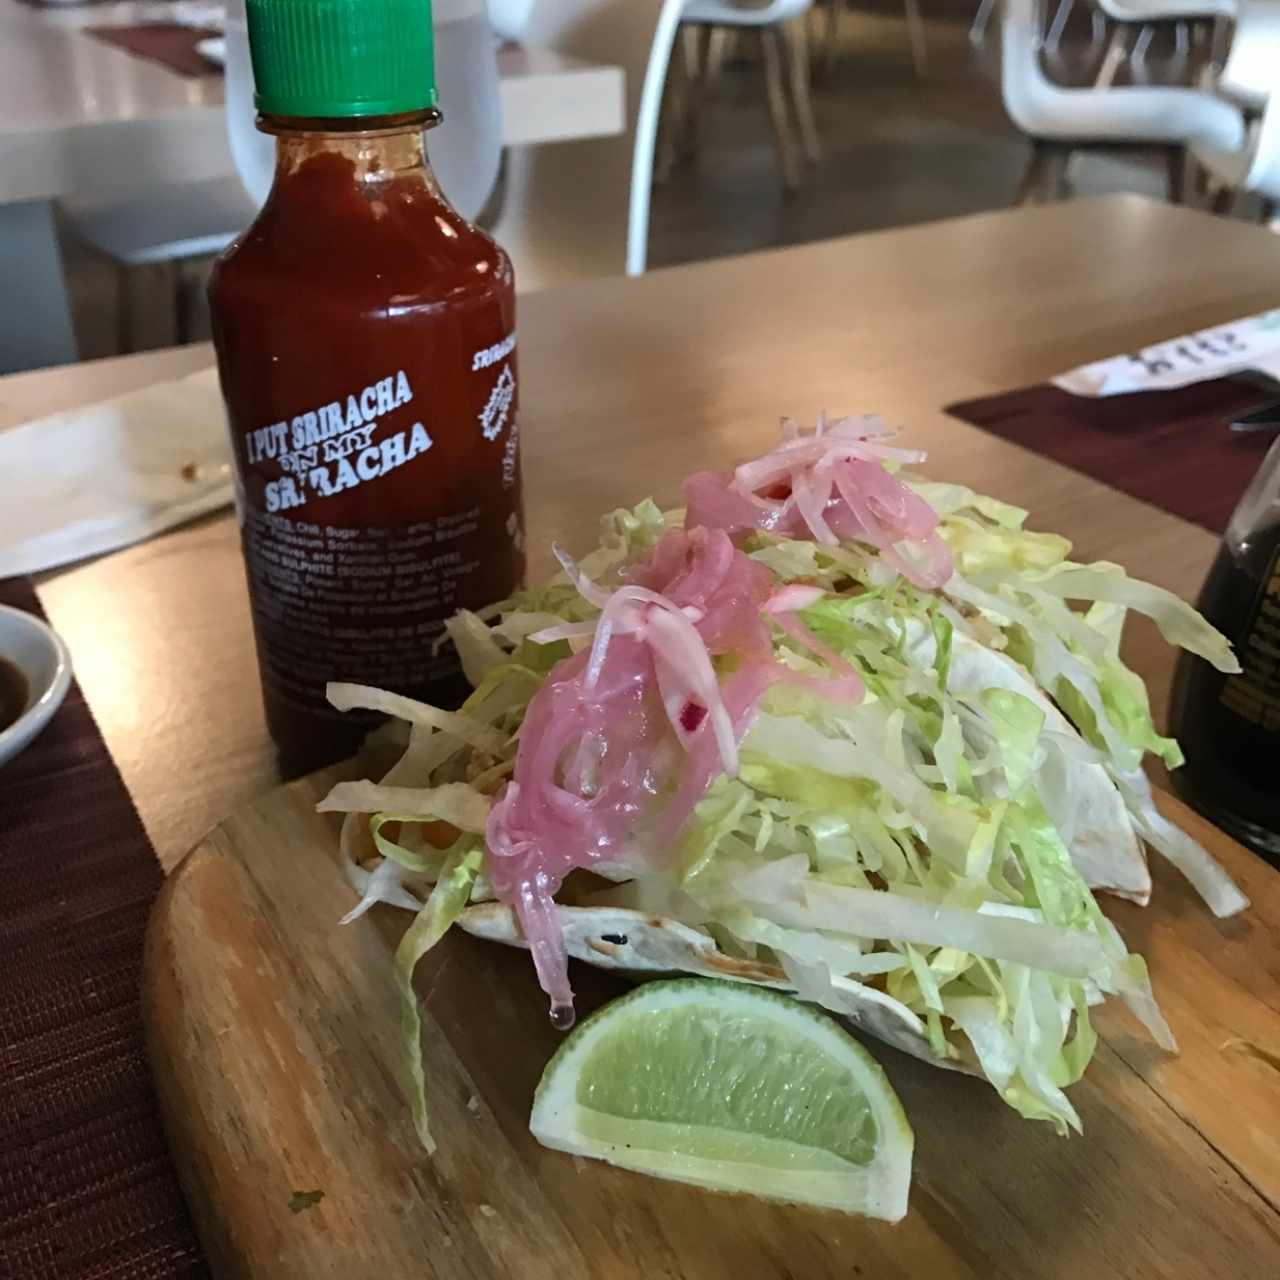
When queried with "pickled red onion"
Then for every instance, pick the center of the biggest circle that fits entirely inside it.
(827, 485)
(594, 763)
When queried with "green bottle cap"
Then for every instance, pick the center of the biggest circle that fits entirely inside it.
(335, 59)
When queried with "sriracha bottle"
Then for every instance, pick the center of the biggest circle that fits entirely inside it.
(365, 335)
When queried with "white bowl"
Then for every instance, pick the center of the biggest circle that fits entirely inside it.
(38, 652)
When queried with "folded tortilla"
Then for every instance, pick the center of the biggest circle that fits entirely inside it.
(644, 945)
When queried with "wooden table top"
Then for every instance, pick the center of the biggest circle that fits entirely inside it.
(628, 385)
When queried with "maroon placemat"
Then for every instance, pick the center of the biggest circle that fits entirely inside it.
(63, 4)
(167, 43)
(87, 1191)
(1172, 449)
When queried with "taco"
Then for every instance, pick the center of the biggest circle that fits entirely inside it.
(832, 729)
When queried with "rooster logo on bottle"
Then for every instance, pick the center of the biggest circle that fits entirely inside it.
(494, 415)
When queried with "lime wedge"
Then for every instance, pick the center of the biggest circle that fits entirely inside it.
(732, 1087)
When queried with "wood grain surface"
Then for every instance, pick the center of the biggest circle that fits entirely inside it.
(273, 1034)
(627, 385)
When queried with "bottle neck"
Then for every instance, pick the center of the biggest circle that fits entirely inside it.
(377, 150)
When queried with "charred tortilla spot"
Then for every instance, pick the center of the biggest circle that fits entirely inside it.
(736, 967)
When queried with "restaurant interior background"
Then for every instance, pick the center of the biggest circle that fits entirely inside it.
(1035, 237)
(911, 122)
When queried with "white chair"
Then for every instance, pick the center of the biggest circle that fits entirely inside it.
(581, 209)
(565, 207)
(1253, 167)
(1060, 121)
(779, 27)
(1251, 71)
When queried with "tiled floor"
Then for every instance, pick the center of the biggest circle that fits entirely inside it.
(896, 149)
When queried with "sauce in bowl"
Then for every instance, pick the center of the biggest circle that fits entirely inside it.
(13, 693)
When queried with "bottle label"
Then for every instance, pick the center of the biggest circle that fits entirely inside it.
(367, 521)
(329, 449)
(1254, 694)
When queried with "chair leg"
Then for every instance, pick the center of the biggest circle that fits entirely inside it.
(797, 40)
(670, 121)
(1219, 42)
(697, 61)
(1060, 185)
(124, 311)
(1266, 211)
(772, 51)
(1176, 163)
(829, 35)
(1046, 174)
(981, 20)
(1117, 49)
(1197, 178)
(1138, 58)
(1053, 37)
(1224, 200)
(1029, 187)
(717, 52)
(181, 304)
(915, 32)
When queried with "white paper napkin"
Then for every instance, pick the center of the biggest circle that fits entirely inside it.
(1247, 345)
(98, 478)
(187, 13)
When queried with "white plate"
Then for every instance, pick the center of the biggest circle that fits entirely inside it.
(213, 49)
(38, 652)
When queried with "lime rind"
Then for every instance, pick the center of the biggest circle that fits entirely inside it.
(739, 1141)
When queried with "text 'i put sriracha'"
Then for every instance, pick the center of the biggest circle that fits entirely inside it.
(328, 450)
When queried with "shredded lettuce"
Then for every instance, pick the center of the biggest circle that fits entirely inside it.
(928, 851)
(448, 897)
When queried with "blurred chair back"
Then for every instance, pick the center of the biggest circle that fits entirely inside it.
(1143, 11)
(253, 153)
(1254, 166)
(1251, 73)
(566, 206)
(465, 148)
(1264, 171)
(1022, 83)
(1131, 114)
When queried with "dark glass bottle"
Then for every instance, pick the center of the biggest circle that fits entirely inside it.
(1229, 726)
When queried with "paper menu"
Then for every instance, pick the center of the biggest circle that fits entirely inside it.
(1248, 345)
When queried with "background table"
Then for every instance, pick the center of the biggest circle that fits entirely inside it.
(628, 385)
(77, 114)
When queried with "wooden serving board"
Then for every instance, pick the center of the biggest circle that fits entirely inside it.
(274, 1038)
